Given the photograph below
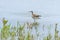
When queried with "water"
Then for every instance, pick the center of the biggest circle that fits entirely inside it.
(22, 18)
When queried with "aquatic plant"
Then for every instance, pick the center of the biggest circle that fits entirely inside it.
(56, 32)
(13, 33)
(20, 32)
(5, 31)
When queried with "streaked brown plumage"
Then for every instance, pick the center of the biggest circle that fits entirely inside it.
(35, 16)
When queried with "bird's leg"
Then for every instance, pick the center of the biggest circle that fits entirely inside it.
(34, 20)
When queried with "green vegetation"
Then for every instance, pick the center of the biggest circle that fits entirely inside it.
(18, 32)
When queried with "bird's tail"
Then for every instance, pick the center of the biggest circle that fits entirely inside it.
(40, 16)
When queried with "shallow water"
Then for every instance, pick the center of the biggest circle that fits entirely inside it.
(47, 22)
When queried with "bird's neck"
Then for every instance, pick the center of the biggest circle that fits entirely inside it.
(32, 13)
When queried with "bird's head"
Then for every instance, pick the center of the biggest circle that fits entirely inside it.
(31, 12)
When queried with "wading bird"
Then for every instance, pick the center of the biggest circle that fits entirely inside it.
(35, 16)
